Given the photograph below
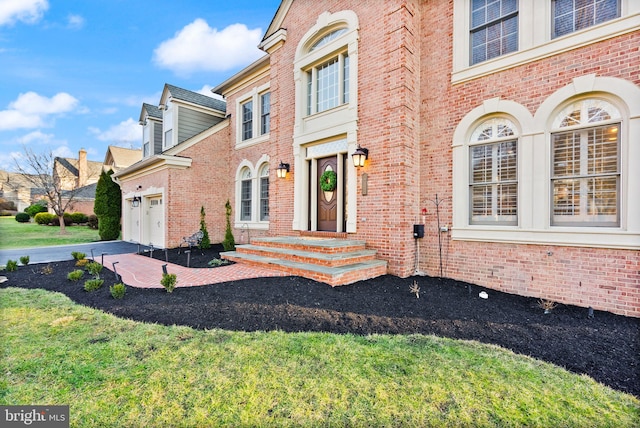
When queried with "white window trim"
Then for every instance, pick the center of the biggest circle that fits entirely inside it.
(534, 185)
(534, 37)
(254, 96)
(255, 222)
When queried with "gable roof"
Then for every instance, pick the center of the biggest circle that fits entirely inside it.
(121, 157)
(194, 98)
(152, 111)
(278, 19)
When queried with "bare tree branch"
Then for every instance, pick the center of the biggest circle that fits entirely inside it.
(38, 169)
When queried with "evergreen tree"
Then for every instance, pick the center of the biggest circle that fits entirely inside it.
(108, 207)
(229, 242)
(205, 242)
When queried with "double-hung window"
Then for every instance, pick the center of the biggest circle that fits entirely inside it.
(255, 117)
(493, 183)
(265, 113)
(247, 120)
(585, 175)
(494, 28)
(573, 15)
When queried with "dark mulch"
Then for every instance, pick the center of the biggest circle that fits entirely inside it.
(605, 347)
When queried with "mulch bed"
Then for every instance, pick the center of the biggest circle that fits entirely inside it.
(605, 347)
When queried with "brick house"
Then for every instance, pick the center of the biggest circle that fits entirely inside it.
(507, 130)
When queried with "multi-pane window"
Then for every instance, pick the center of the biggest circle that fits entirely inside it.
(264, 193)
(145, 139)
(585, 175)
(493, 177)
(265, 113)
(245, 195)
(328, 84)
(247, 120)
(574, 15)
(494, 28)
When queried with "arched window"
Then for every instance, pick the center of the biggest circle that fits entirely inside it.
(585, 165)
(245, 195)
(493, 175)
(264, 192)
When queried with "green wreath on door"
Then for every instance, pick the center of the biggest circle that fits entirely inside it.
(328, 181)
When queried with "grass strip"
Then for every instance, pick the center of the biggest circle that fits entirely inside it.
(114, 372)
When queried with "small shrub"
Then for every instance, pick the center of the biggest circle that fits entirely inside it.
(118, 290)
(77, 255)
(44, 218)
(229, 243)
(22, 218)
(12, 266)
(92, 222)
(218, 262)
(24, 260)
(93, 284)
(76, 275)
(68, 219)
(46, 270)
(169, 281)
(82, 262)
(94, 269)
(39, 207)
(79, 218)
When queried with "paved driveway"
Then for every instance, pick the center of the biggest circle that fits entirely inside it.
(63, 252)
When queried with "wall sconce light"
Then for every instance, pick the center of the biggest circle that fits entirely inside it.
(135, 202)
(359, 156)
(282, 170)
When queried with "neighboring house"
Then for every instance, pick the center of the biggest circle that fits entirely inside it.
(75, 173)
(118, 158)
(84, 199)
(506, 129)
(16, 188)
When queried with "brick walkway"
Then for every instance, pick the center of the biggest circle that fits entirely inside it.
(145, 272)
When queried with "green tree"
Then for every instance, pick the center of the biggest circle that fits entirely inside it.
(229, 242)
(206, 241)
(108, 207)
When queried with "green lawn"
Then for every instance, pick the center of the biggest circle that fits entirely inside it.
(116, 373)
(25, 235)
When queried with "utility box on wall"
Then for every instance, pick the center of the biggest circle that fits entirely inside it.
(418, 231)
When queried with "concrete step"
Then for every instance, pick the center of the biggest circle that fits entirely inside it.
(334, 276)
(312, 257)
(312, 244)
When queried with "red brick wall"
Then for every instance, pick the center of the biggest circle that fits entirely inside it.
(605, 279)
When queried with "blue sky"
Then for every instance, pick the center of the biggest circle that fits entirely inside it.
(74, 73)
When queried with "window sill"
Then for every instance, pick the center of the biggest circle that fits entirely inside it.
(552, 47)
(252, 141)
(251, 225)
(597, 237)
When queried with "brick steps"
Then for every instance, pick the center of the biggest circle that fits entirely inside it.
(329, 260)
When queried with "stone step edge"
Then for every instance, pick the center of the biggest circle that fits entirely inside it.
(325, 259)
(322, 245)
(332, 271)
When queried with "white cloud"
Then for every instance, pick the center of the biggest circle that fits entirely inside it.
(27, 11)
(198, 47)
(206, 90)
(33, 103)
(126, 133)
(36, 137)
(30, 110)
(75, 22)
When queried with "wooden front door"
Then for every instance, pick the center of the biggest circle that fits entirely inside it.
(327, 201)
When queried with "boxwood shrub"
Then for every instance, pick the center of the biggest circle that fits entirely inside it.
(22, 218)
